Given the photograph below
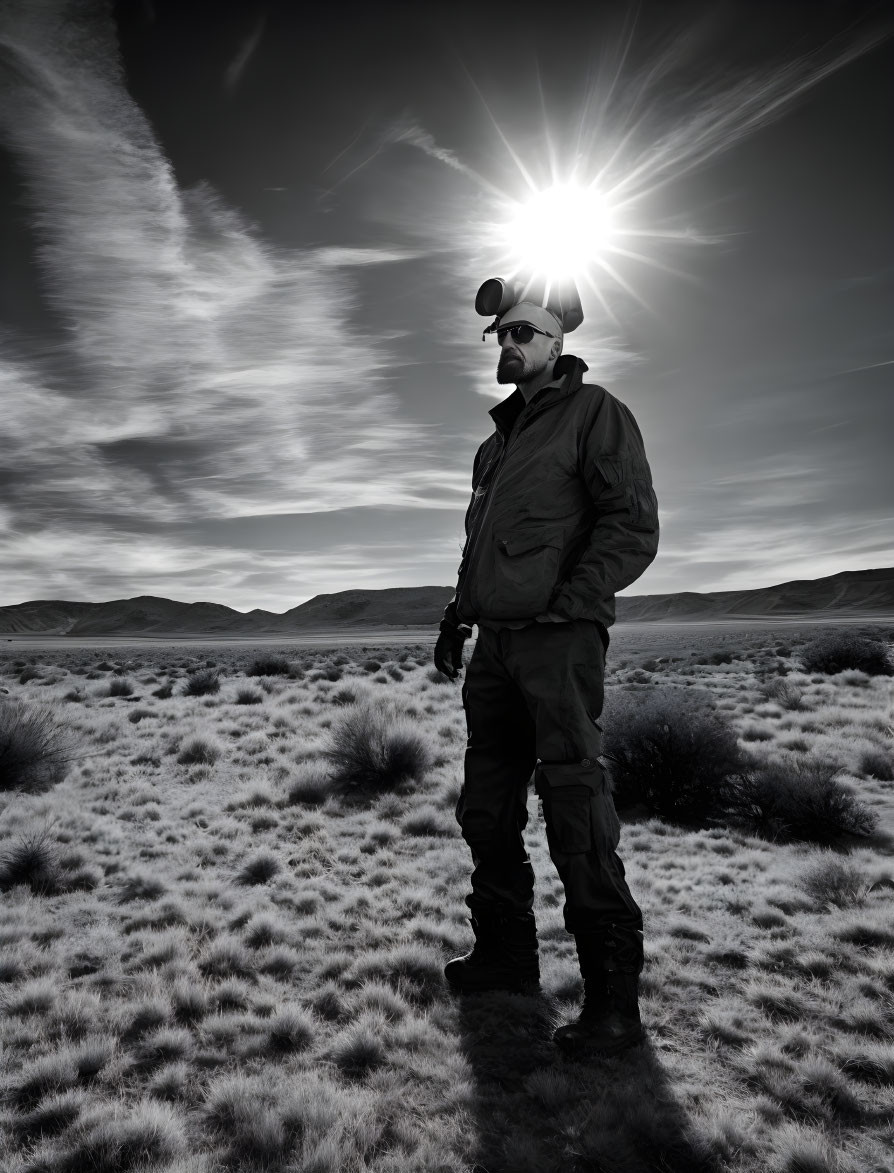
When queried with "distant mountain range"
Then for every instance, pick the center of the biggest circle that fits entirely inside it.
(852, 593)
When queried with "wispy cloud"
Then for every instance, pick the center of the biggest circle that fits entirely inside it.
(209, 373)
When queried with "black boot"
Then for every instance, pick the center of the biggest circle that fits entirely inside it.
(609, 1021)
(504, 956)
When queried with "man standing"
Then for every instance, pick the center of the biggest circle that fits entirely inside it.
(562, 516)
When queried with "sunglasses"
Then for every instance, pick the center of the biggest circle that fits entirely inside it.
(523, 333)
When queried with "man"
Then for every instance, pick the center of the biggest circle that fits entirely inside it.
(562, 516)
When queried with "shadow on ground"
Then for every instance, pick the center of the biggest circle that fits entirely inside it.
(537, 1110)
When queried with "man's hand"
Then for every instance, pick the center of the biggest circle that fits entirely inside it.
(449, 648)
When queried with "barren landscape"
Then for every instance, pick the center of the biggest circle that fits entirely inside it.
(232, 876)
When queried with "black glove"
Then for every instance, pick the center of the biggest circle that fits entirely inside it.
(449, 647)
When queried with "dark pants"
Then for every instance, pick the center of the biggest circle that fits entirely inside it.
(533, 698)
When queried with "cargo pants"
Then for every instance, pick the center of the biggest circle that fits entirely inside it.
(533, 698)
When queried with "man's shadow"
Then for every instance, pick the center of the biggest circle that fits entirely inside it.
(539, 1111)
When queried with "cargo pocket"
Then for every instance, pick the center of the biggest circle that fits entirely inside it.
(526, 564)
(631, 476)
(569, 819)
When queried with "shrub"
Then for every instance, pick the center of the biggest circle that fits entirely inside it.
(35, 752)
(799, 798)
(373, 748)
(269, 666)
(28, 673)
(202, 683)
(670, 750)
(164, 691)
(836, 651)
(32, 861)
(370, 665)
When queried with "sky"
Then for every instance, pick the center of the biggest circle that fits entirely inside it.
(239, 355)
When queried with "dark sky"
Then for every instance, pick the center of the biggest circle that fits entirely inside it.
(238, 349)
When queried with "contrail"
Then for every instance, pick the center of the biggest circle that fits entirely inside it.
(236, 68)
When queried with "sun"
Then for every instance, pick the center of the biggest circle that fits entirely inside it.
(560, 233)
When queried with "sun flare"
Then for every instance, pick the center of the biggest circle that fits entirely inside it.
(559, 233)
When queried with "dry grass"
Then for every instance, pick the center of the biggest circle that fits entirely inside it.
(224, 923)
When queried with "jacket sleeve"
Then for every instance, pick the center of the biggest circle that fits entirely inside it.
(624, 537)
(450, 609)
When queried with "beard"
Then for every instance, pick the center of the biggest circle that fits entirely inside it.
(512, 369)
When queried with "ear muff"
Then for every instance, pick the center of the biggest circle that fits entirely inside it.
(564, 302)
(495, 297)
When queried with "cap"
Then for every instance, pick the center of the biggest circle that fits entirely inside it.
(530, 313)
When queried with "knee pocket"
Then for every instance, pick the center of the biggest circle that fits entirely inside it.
(568, 811)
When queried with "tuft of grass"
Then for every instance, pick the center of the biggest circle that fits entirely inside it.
(164, 691)
(269, 666)
(311, 786)
(360, 1049)
(35, 751)
(785, 693)
(832, 881)
(372, 748)
(120, 686)
(291, 1030)
(877, 764)
(199, 749)
(260, 868)
(141, 886)
(435, 676)
(344, 696)
(52, 1115)
(202, 683)
(837, 651)
(249, 696)
(428, 820)
(670, 750)
(798, 798)
(33, 861)
(109, 1141)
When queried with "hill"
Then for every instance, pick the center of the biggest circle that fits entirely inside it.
(852, 593)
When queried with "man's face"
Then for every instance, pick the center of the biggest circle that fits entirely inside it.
(520, 362)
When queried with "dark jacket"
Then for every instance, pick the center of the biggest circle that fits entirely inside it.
(563, 513)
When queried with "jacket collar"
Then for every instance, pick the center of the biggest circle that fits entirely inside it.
(569, 374)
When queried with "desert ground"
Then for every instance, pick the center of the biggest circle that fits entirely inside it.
(223, 925)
